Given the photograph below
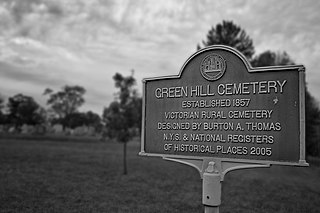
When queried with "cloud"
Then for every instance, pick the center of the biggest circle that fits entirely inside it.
(56, 42)
(20, 9)
(30, 75)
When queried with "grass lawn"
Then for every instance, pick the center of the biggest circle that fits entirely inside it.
(52, 176)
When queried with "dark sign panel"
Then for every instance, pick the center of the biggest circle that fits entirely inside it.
(218, 106)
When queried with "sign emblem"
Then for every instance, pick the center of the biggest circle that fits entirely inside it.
(213, 67)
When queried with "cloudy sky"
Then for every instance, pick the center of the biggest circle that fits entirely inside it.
(52, 43)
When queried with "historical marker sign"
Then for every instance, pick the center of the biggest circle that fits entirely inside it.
(220, 107)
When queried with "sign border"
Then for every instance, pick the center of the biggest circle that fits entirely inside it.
(250, 69)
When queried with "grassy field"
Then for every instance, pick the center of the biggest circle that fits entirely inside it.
(52, 176)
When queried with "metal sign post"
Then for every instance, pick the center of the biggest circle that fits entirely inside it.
(219, 114)
(212, 172)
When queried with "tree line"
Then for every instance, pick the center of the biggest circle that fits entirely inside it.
(63, 108)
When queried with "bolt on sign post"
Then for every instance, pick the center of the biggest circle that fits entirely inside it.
(220, 114)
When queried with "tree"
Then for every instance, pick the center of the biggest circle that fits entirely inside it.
(269, 58)
(94, 120)
(74, 120)
(312, 125)
(2, 116)
(65, 102)
(24, 110)
(120, 117)
(77, 119)
(1, 103)
(136, 106)
(231, 35)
